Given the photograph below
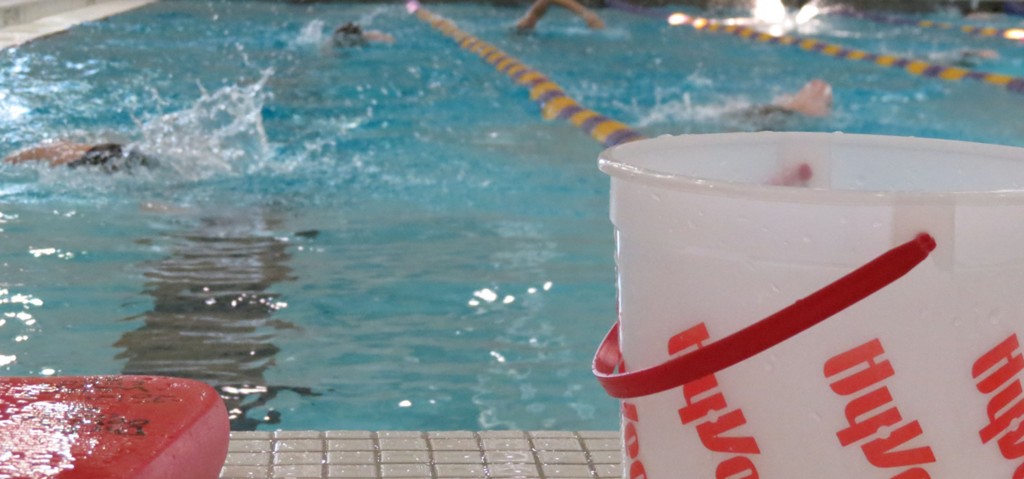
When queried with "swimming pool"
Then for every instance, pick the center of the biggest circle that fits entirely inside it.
(388, 237)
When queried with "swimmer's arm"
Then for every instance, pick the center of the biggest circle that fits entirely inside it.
(533, 15)
(378, 36)
(593, 21)
(58, 153)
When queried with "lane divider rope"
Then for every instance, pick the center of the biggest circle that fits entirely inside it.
(909, 65)
(1016, 34)
(553, 100)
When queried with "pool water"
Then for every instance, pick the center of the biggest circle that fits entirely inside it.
(385, 237)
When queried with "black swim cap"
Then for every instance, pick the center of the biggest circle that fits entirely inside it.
(349, 28)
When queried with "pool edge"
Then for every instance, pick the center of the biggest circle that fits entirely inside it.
(19, 33)
(357, 454)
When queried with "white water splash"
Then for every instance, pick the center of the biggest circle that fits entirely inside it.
(683, 111)
(311, 34)
(220, 133)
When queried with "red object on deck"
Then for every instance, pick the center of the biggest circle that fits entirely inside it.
(111, 427)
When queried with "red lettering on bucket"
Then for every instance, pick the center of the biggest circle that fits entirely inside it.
(706, 406)
(996, 373)
(915, 473)
(632, 441)
(874, 420)
(738, 467)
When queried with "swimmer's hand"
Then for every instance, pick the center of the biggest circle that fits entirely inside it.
(527, 23)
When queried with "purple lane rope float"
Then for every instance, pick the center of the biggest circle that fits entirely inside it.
(553, 101)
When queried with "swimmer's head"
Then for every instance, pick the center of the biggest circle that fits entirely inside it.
(348, 35)
(114, 158)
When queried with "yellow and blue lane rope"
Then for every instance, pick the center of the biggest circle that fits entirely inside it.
(1016, 34)
(914, 67)
(554, 102)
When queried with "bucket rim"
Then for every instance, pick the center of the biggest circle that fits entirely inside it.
(611, 163)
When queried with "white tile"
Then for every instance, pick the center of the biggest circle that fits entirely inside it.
(297, 434)
(458, 457)
(451, 434)
(350, 471)
(603, 444)
(247, 458)
(566, 470)
(606, 457)
(402, 443)
(556, 444)
(297, 472)
(562, 457)
(241, 435)
(296, 458)
(608, 471)
(553, 434)
(405, 457)
(459, 470)
(506, 443)
(502, 434)
(508, 456)
(249, 446)
(347, 434)
(406, 434)
(512, 470)
(404, 470)
(599, 434)
(293, 445)
(245, 472)
(443, 444)
(351, 457)
(350, 445)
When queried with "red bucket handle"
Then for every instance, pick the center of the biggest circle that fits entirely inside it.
(801, 315)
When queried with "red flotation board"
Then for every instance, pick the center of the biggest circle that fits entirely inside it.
(111, 427)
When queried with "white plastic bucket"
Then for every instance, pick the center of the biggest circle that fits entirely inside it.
(916, 373)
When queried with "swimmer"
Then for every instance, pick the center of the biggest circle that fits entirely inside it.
(966, 57)
(988, 10)
(814, 100)
(109, 157)
(540, 8)
(352, 35)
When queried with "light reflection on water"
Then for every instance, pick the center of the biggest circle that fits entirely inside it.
(212, 315)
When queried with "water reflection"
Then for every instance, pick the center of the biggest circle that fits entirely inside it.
(212, 315)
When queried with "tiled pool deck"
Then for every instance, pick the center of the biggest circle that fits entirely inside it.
(424, 455)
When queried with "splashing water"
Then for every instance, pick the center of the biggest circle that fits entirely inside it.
(221, 132)
(684, 111)
(311, 34)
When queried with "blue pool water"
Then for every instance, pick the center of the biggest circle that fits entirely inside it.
(388, 237)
